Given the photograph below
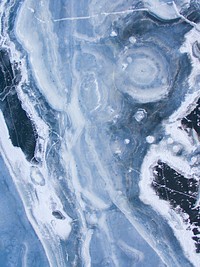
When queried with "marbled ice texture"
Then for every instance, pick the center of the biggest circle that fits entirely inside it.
(94, 95)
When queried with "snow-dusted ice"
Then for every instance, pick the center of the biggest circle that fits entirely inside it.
(99, 135)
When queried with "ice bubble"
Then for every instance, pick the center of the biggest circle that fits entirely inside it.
(140, 114)
(126, 141)
(129, 59)
(113, 34)
(36, 176)
(150, 139)
(132, 39)
(176, 148)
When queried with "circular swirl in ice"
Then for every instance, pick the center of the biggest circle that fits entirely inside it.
(143, 73)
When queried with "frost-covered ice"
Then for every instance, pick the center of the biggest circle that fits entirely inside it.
(93, 94)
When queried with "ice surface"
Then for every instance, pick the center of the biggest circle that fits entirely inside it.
(96, 98)
(143, 73)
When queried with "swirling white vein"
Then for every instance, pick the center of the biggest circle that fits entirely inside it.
(162, 152)
(29, 32)
(37, 202)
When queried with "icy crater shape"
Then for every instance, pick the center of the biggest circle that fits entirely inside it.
(143, 73)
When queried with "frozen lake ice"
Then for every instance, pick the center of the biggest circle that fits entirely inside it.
(99, 136)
